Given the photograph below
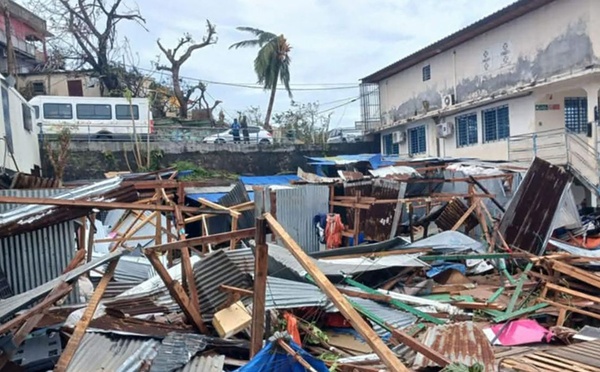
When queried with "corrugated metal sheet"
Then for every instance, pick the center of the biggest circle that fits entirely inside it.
(100, 352)
(176, 350)
(366, 249)
(210, 273)
(394, 317)
(33, 258)
(378, 220)
(527, 223)
(452, 213)
(243, 258)
(209, 363)
(462, 343)
(572, 358)
(394, 170)
(296, 209)
(15, 303)
(287, 294)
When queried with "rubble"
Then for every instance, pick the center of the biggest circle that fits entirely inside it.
(430, 275)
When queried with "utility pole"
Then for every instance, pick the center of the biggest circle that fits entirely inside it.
(11, 66)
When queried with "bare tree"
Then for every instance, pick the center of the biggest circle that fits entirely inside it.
(176, 63)
(87, 31)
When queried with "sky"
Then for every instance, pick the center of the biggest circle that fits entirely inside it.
(334, 43)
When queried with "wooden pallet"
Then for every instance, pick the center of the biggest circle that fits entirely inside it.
(582, 357)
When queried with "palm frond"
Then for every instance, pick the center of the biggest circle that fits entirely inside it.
(263, 37)
(245, 44)
(284, 74)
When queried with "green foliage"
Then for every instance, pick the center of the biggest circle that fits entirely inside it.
(305, 121)
(199, 173)
(457, 367)
(156, 156)
(109, 157)
(316, 335)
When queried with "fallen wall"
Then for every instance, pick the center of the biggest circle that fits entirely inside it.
(90, 160)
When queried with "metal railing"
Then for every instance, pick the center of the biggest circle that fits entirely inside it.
(561, 147)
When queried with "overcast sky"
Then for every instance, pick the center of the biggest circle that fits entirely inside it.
(334, 42)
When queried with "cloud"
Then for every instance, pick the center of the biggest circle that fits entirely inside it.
(334, 41)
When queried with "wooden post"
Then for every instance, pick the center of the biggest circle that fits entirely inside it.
(81, 235)
(331, 197)
(91, 233)
(88, 315)
(342, 304)
(158, 233)
(234, 227)
(169, 240)
(186, 263)
(178, 293)
(261, 265)
(356, 220)
(205, 247)
(410, 222)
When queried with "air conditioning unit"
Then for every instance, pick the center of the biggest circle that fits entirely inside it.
(444, 130)
(447, 100)
(399, 137)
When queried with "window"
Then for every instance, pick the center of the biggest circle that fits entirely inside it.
(94, 112)
(466, 130)
(6, 116)
(123, 112)
(417, 143)
(58, 111)
(38, 88)
(27, 119)
(389, 147)
(253, 129)
(37, 111)
(427, 73)
(576, 114)
(496, 124)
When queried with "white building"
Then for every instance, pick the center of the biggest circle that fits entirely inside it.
(503, 88)
(19, 146)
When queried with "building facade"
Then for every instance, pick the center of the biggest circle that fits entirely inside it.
(28, 36)
(59, 83)
(527, 70)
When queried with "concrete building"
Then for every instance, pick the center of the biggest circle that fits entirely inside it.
(521, 82)
(59, 83)
(19, 146)
(29, 35)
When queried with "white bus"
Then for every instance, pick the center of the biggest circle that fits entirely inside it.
(92, 116)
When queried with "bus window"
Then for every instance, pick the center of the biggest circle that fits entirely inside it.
(58, 111)
(37, 111)
(123, 112)
(94, 112)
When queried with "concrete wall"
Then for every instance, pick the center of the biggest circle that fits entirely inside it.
(556, 39)
(92, 160)
(25, 143)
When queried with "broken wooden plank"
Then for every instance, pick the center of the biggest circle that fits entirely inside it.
(342, 304)
(576, 273)
(419, 347)
(178, 293)
(210, 239)
(295, 355)
(464, 217)
(218, 207)
(261, 266)
(73, 344)
(240, 291)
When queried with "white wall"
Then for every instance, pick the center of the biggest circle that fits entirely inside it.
(556, 39)
(25, 143)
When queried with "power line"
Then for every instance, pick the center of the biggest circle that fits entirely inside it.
(257, 86)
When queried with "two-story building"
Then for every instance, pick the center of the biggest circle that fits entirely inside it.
(532, 67)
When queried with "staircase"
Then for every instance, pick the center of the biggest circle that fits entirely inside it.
(560, 147)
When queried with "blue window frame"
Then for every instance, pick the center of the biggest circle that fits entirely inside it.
(417, 142)
(576, 114)
(426, 72)
(496, 124)
(466, 130)
(389, 147)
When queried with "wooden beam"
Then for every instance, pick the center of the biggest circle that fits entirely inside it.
(186, 263)
(86, 318)
(464, 217)
(342, 304)
(241, 291)
(91, 233)
(210, 239)
(295, 355)
(234, 227)
(218, 207)
(576, 273)
(261, 266)
(571, 308)
(419, 347)
(571, 292)
(176, 291)
(102, 205)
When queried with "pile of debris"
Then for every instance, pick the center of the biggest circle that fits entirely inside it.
(458, 267)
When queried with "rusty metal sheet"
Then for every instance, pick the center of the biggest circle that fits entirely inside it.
(378, 219)
(350, 175)
(577, 357)
(527, 223)
(452, 213)
(462, 343)
(28, 181)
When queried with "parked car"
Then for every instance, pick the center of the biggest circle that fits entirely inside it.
(344, 135)
(257, 135)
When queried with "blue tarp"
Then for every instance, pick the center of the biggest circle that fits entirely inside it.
(376, 160)
(283, 179)
(215, 196)
(438, 269)
(273, 359)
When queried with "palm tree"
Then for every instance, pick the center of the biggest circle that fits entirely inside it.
(272, 64)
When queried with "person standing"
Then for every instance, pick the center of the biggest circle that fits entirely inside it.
(245, 132)
(235, 131)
